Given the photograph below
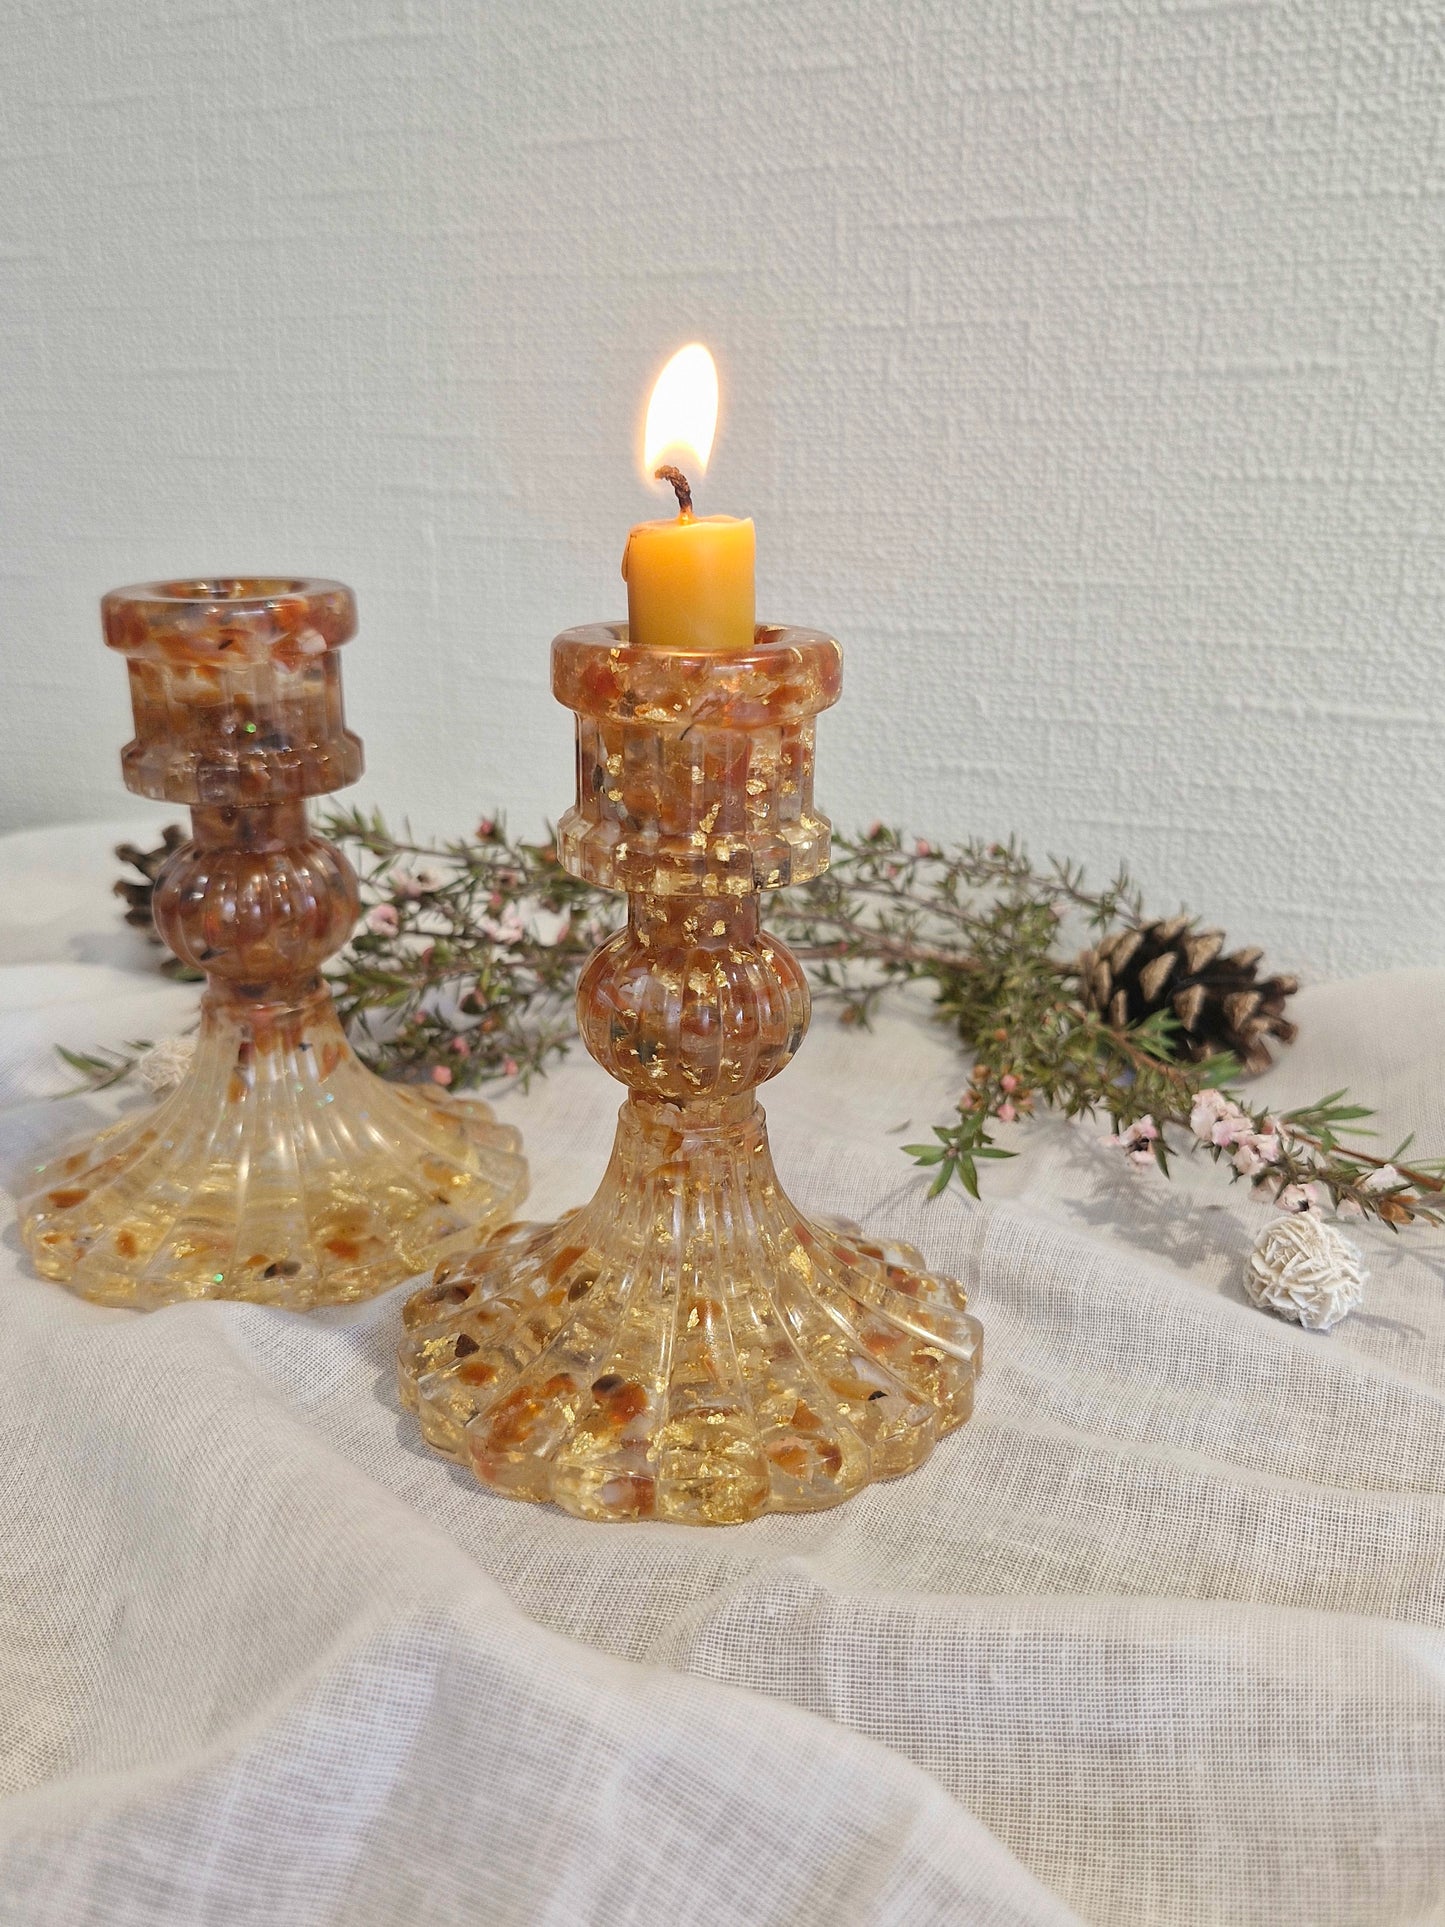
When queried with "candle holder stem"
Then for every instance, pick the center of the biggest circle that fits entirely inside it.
(689, 1345)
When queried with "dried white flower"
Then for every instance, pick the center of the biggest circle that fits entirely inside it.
(1305, 1269)
(165, 1064)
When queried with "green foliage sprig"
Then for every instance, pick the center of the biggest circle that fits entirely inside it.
(464, 965)
(983, 926)
(463, 968)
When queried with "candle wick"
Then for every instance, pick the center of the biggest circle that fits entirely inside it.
(681, 486)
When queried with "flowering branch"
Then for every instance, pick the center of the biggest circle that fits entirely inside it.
(464, 967)
(466, 960)
(983, 926)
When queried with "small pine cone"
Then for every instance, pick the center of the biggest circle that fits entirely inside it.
(1219, 1001)
(138, 894)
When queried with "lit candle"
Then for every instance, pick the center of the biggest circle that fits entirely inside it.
(689, 579)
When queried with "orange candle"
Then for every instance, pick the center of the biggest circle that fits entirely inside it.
(690, 579)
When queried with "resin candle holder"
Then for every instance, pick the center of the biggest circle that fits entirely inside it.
(281, 1169)
(689, 1346)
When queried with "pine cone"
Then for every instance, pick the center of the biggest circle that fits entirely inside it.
(1220, 1002)
(138, 896)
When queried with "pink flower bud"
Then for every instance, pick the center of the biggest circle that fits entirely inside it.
(441, 1074)
(1008, 1081)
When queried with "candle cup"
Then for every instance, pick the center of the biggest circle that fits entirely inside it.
(281, 1169)
(689, 1346)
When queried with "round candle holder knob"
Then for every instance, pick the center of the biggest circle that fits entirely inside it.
(692, 1001)
(281, 1170)
(689, 1346)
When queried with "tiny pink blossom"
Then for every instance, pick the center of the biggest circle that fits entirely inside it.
(487, 827)
(1232, 1129)
(402, 883)
(1008, 1081)
(875, 828)
(1006, 1113)
(1137, 1142)
(924, 848)
(461, 1047)
(509, 1067)
(509, 928)
(1349, 1208)
(441, 1074)
(1255, 1152)
(1387, 1178)
(382, 919)
(1299, 1197)
(1208, 1109)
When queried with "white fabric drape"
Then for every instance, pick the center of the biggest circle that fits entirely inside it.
(1155, 1639)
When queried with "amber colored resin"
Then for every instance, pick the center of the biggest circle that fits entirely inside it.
(281, 1169)
(689, 1346)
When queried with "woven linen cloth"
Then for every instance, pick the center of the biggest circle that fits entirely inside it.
(1155, 1638)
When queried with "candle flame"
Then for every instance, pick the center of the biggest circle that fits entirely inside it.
(682, 414)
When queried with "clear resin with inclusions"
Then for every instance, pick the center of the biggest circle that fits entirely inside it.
(689, 1346)
(281, 1170)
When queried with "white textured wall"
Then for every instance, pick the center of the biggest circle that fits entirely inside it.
(1082, 367)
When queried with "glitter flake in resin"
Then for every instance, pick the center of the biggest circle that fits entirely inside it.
(689, 1346)
(281, 1170)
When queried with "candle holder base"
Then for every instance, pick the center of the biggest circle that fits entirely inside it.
(688, 1346)
(281, 1171)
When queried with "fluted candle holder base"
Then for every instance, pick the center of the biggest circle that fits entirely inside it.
(281, 1171)
(688, 1346)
